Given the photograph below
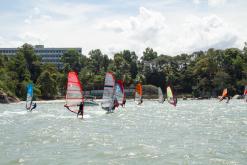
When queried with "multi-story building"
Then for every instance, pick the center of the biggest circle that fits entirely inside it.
(48, 55)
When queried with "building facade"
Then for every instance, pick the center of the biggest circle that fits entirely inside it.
(48, 55)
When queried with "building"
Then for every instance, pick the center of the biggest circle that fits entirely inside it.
(48, 55)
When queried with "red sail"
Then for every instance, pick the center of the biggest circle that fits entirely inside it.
(74, 92)
(120, 94)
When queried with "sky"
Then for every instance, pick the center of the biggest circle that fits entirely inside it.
(170, 27)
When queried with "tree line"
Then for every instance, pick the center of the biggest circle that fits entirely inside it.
(199, 74)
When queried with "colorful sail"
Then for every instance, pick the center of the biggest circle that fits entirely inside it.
(160, 95)
(108, 94)
(224, 94)
(74, 93)
(138, 93)
(245, 93)
(170, 96)
(119, 92)
(29, 98)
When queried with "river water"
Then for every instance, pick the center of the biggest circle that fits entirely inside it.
(195, 132)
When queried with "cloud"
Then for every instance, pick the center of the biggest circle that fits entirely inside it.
(196, 1)
(211, 3)
(201, 33)
(169, 30)
(150, 29)
(214, 3)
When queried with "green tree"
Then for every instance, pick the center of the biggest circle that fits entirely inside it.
(149, 54)
(47, 83)
(33, 63)
(71, 60)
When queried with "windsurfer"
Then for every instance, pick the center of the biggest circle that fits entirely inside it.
(81, 109)
(124, 101)
(115, 104)
(34, 106)
(228, 99)
(175, 101)
(140, 102)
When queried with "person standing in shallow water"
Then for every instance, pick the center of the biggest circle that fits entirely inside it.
(34, 106)
(81, 109)
(124, 101)
(115, 104)
(141, 101)
(228, 99)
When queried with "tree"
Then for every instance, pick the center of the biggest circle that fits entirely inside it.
(149, 55)
(72, 60)
(33, 63)
(48, 85)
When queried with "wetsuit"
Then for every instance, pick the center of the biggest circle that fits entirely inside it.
(115, 104)
(34, 106)
(228, 99)
(81, 109)
(123, 104)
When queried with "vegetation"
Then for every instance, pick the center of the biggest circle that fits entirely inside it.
(199, 73)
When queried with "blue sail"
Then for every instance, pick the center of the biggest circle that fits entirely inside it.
(29, 96)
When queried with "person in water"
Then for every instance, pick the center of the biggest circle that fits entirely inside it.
(124, 101)
(34, 106)
(81, 109)
(115, 104)
(141, 101)
(174, 101)
(228, 99)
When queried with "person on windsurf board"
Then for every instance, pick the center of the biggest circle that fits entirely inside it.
(225, 95)
(34, 106)
(81, 109)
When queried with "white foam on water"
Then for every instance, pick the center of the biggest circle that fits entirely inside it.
(86, 116)
(14, 113)
(66, 117)
(47, 116)
(205, 130)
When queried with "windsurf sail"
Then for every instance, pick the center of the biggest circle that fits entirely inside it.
(29, 96)
(138, 93)
(74, 93)
(160, 94)
(224, 94)
(170, 96)
(119, 92)
(245, 93)
(108, 94)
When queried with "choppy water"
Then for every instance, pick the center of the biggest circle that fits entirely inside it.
(195, 132)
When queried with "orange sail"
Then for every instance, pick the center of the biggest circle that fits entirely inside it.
(138, 93)
(224, 94)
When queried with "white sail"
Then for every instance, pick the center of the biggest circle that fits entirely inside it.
(108, 93)
(161, 97)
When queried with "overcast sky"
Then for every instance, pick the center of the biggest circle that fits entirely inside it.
(168, 26)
